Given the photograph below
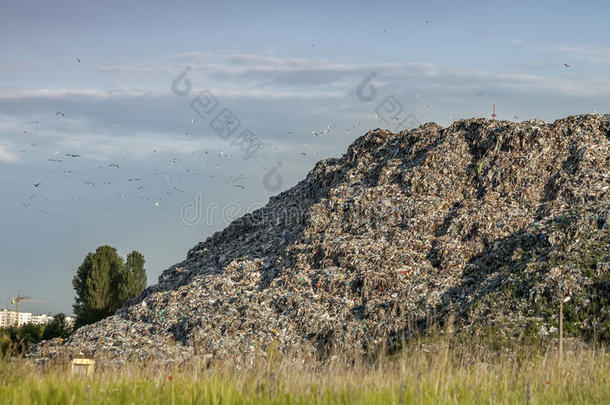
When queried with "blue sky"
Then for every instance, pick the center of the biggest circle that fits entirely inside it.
(282, 69)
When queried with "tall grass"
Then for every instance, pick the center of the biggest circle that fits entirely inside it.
(431, 373)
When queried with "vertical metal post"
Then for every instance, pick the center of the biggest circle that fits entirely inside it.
(560, 330)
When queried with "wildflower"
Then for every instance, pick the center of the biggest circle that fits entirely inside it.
(169, 377)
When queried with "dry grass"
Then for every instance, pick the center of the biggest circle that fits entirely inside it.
(422, 373)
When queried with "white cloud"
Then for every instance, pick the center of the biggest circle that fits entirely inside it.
(8, 94)
(5, 155)
(588, 53)
(133, 69)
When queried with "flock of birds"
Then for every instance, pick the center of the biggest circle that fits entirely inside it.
(213, 158)
(236, 180)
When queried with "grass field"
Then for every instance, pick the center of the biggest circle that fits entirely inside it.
(422, 374)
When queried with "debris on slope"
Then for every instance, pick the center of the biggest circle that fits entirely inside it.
(484, 221)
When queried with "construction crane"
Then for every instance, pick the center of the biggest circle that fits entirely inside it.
(16, 304)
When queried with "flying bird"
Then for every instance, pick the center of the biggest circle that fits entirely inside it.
(566, 65)
(72, 155)
(114, 165)
(89, 183)
(240, 186)
(78, 60)
(59, 114)
(37, 184)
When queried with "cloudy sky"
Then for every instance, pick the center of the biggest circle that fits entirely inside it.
(150, 125)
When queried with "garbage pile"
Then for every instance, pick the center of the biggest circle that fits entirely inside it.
(486, 222)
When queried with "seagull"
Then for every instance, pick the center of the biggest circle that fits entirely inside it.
(37, 184)
(141, 188)
(240, 186)
(89, 183)
(114, 165)
(133, 179)
(59, 114)
(303, 153)
(72, 155)
(78, 60)
(566, 65)
(122, 196)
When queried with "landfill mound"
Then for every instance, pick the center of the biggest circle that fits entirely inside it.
(488, 223)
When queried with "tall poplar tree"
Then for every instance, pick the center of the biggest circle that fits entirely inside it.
(103, 282)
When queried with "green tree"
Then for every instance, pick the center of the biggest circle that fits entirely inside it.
(132, 280)
(103, 282)
(58, 327)
(16, 340)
